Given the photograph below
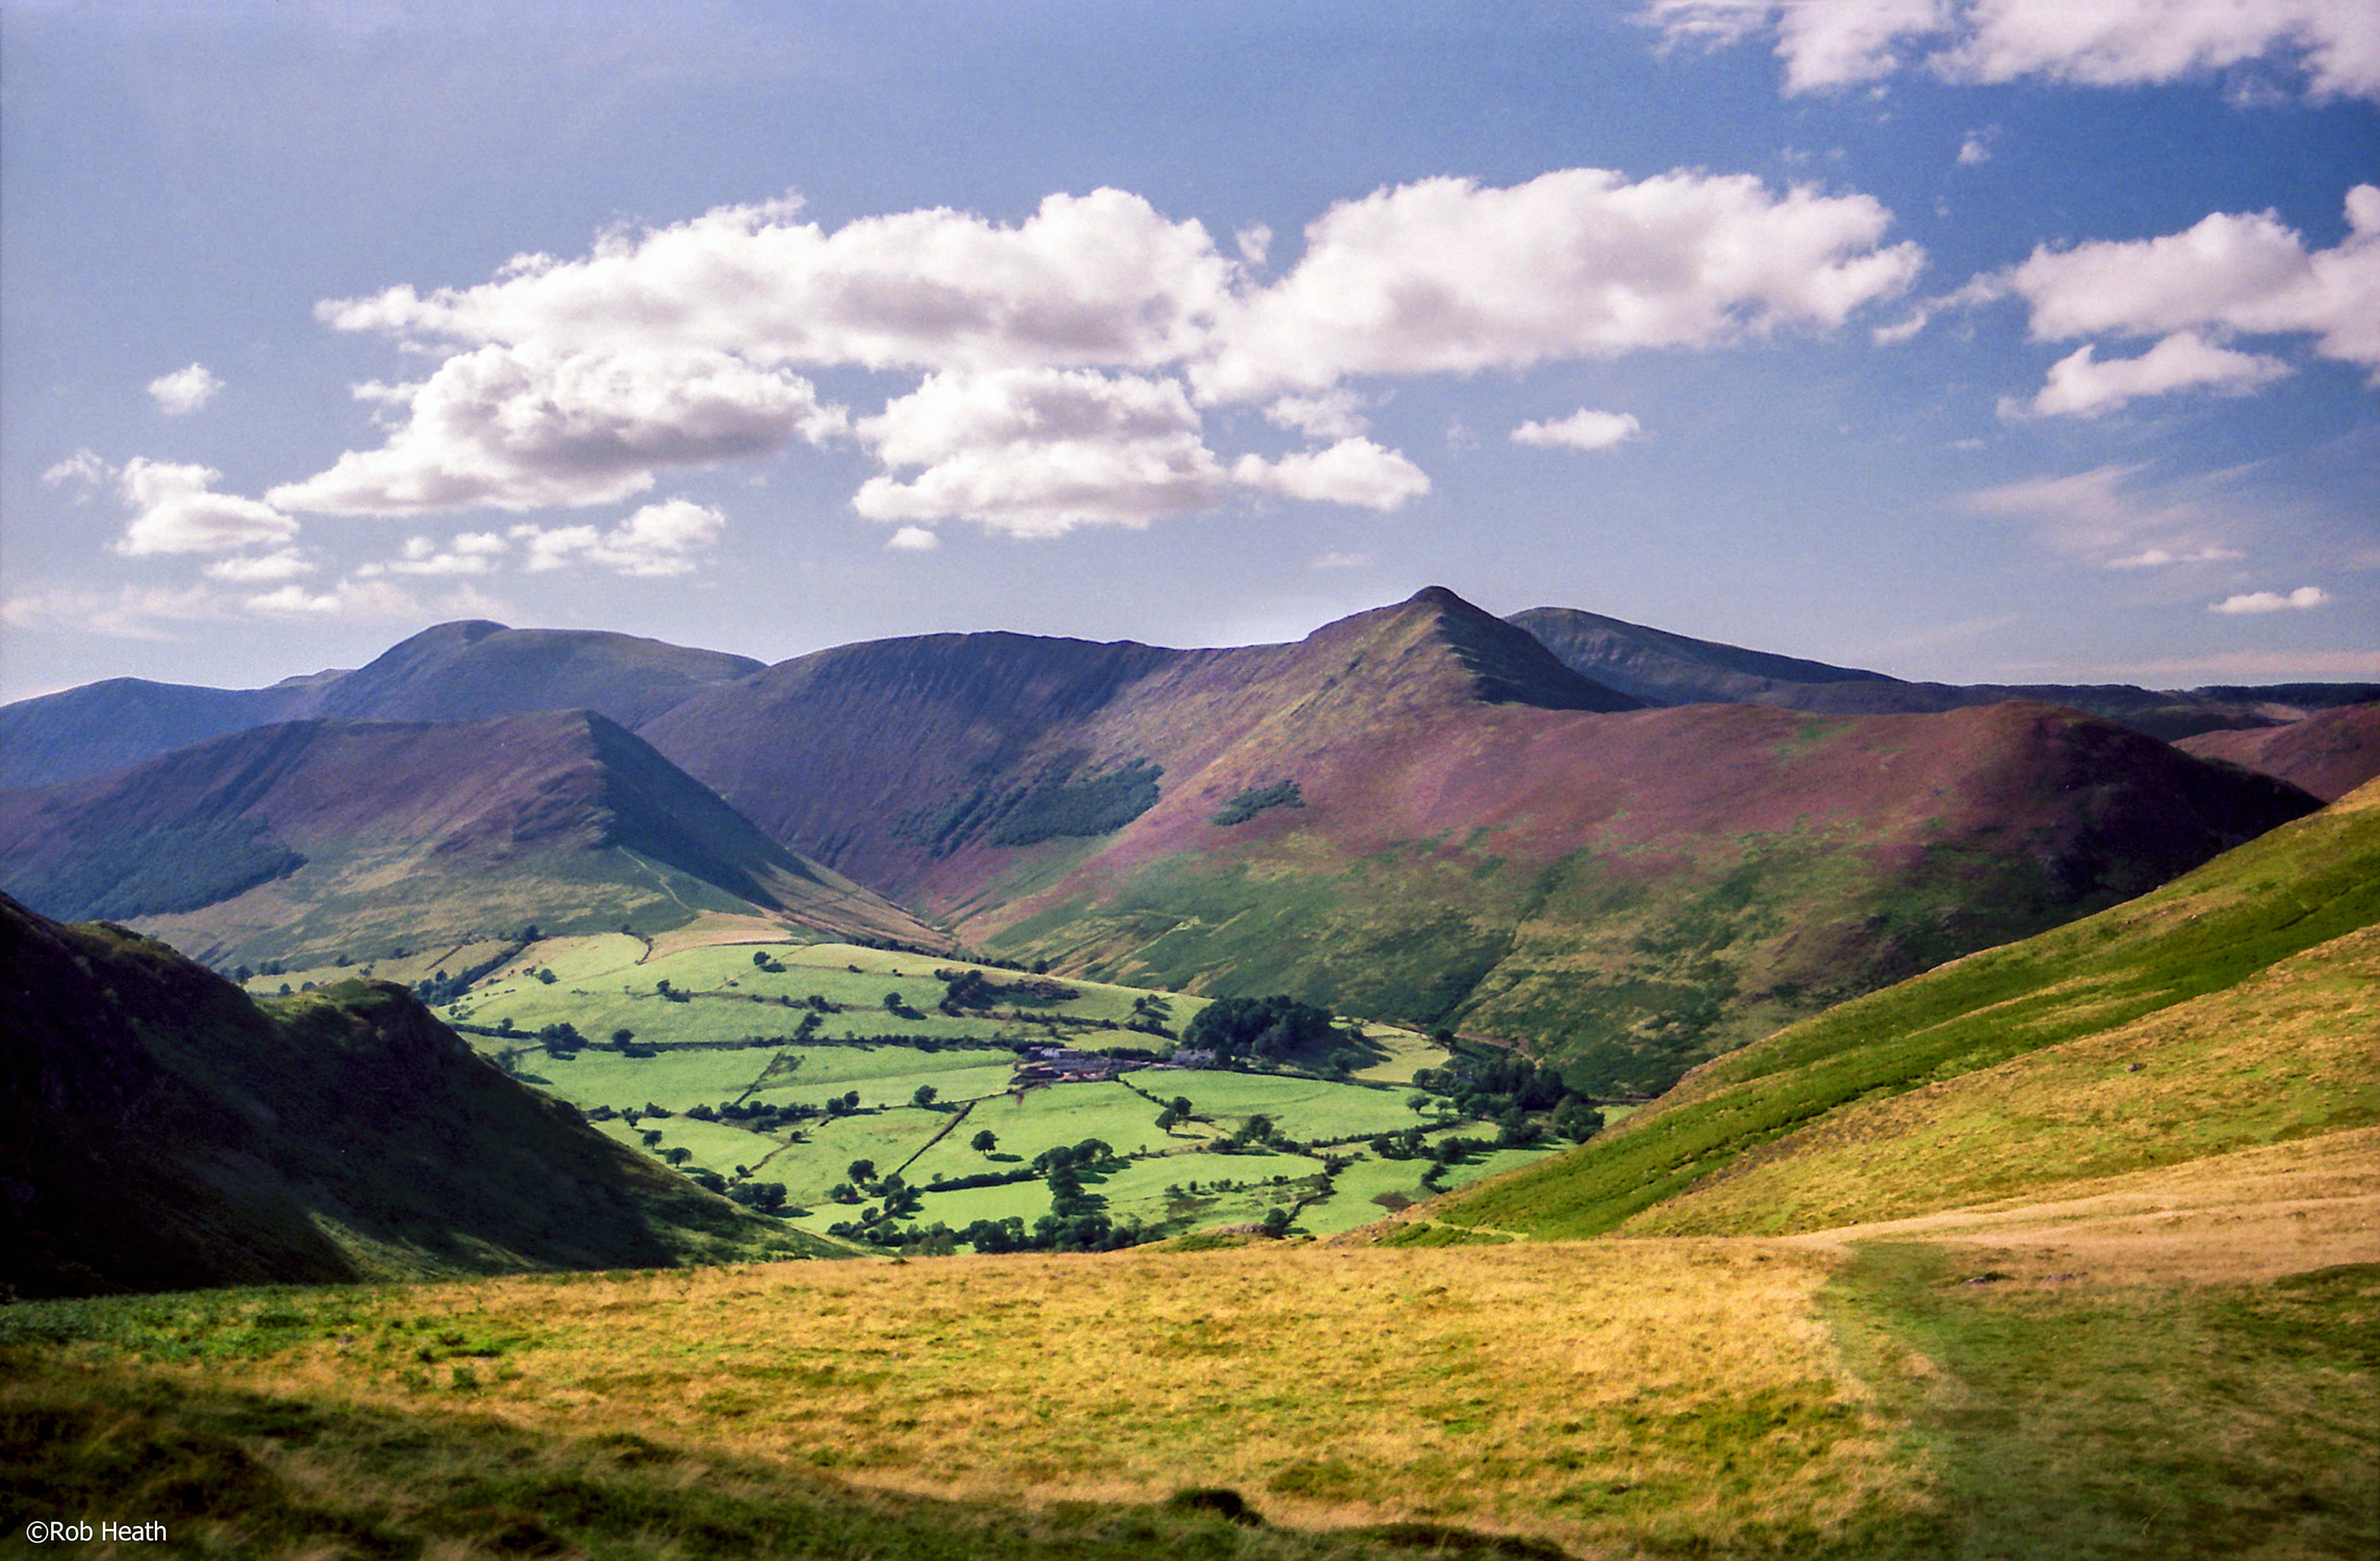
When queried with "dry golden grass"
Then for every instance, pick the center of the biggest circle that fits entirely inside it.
(2245, 1218)
(1621, 1394)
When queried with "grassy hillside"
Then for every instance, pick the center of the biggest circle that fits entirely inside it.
(1619, 1400)
(315, 839)
(166, 1131)
(2235, 1006)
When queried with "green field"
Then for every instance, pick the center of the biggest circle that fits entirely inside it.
(806, 1028)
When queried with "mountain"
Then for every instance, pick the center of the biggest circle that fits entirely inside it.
(2328, 754)
(454, 671)
(165, 1132)
(2231, 1007)
(1418, 813)
(1665, 669)
(325, 836)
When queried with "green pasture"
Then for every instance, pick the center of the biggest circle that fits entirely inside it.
(1300, 1108)
(673, 1079)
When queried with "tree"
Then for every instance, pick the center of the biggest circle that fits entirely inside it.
(924, 1096)
(1276, 1221)
(622, 1035)
(862, 1172)
(985, 1141)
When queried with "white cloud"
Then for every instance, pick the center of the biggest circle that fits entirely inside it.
(659, 539)
(1977, 149)
(913, 539)
(1583, 429)
(526, 428)
(1059, 355)
(2303, 599)
(1333, 414)
(185, 389)
(83, 467)
(128, 612)
(1828, 44)
(1341, 561)
(2082, 385)
(175, 511)
(2163, 558)
(1037, 452)
(470, 553)
(2108, 513)
(1446, 276)
(2245, 273)
(377, 602)
(286, 564)
(1098, 279)
(1354, 471)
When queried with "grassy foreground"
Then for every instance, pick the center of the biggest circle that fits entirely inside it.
(1611, 1399)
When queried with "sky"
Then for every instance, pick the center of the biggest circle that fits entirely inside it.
(1970, 339)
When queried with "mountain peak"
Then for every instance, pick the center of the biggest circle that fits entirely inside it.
(1504, 665)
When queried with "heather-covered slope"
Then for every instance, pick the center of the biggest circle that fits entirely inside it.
(2328, 754)
(453, 672)
(317, 838)
(166, 1132)
(2234, 1007)
(1417, 814)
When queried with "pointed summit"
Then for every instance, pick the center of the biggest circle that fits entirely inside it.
(1504, 665)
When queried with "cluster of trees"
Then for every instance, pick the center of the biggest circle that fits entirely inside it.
(1073, 808)
(1510, 1090)
(1255, 800)
(971, 990)
(1274, 1029)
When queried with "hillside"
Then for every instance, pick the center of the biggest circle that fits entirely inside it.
(2232, 1008)
(2328, 754)
(319, 837)
(1667, 668)
(1416, 814)
(166, 1132)
(453, 672)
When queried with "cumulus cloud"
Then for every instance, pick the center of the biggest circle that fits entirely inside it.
(1354, 471)
(1038, 452)
(377, 602)
(2231, 275)
(1097, 279)
(2082, 385)
(1063, 360)
(1446, 275)
(659, 539)
(185, 389)
(176, 510)
(1830, 44)
(472, 552)
(286, 564)
(533, 426)
(913, 539)
(1583, 429)
(2303, 599)
(1333, 414)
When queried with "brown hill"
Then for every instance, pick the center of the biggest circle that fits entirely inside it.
(329, 837)
(2328, 754)
(1415, 814)
(453, 672)
(165, 1132)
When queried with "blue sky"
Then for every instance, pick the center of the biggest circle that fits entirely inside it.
(1980, 340)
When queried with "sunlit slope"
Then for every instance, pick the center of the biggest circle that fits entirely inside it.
(2235, 1006)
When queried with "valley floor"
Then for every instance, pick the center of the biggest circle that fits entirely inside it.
(2173, 1363)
